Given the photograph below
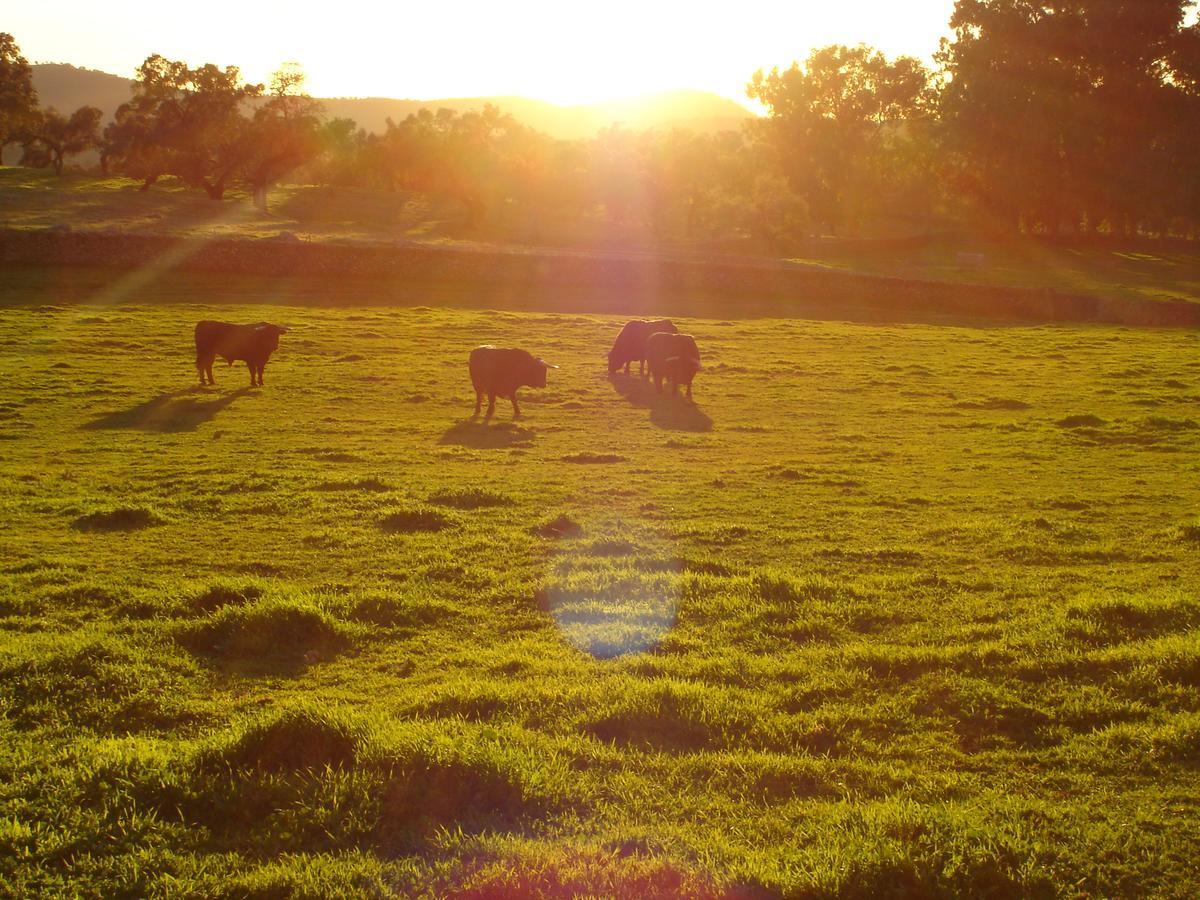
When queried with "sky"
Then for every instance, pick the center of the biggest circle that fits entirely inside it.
(555, 50)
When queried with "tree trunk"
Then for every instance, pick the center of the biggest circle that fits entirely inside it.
(216, 190)
(58, 163)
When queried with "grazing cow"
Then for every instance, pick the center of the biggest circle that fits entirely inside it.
(252, 344)
(674, 357)
(500, 371)
(630, 344)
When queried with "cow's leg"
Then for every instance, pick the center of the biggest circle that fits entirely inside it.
(478, 400)
(642, 368)
(261, 367)
(674, 388)
(491, 405)
(689, 390)
(657, 376)
(627, 367)
(516, 409)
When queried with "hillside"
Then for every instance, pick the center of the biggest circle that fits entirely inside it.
(32, 200)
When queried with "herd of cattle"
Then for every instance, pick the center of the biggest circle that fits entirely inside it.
(657, 347)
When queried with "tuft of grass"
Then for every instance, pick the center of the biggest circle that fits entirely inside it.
(120, 518)
(231, 593)
(594, 458)
(371, 485)
(302, 736)
(1081, 421)
(282, 628)
(417, 519)
(561, 526)
(468, 498)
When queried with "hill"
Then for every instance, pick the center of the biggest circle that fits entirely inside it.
(68, 87)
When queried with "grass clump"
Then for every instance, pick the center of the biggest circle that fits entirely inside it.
(231, 593)
(304, 736)
(120, 518)
(408, 521)
(597, 458)
(283, 628)
(469, 777)
(561, 526)
(1081, 421)
(468, 498)
(1111, 620)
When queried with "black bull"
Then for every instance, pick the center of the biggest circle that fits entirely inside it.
(252, 344)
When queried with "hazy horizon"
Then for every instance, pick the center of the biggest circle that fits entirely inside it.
(530, 49)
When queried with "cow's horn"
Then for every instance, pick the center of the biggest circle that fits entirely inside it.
(546, 364)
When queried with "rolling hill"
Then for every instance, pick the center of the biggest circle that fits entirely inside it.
(68, 87)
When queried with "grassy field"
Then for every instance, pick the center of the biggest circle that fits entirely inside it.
(891, 610)
(33, 199)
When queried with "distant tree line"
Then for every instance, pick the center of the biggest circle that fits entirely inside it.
(1054, 116)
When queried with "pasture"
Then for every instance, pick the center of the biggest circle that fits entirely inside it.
(891, 609)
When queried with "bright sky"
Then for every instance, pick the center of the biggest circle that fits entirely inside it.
(564, 51)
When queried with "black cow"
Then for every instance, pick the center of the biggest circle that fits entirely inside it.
(252, 344)
(500, 371)
(630, 344)
(674, 357)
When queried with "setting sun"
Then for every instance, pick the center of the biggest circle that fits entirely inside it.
(560, 52)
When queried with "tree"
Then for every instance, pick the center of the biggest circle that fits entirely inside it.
(186, 122)
(18, 99)
(833, 119)
(1056, 113)
(284, 134)
(55, 137)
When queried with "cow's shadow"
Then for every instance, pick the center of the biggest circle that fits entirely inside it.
(667, 411)
(482, 434)
(174, 411)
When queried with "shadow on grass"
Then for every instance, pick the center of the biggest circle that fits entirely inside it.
(176, 411)
(483, 435)
(667, 411)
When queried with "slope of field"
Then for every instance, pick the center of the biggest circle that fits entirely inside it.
(888, 610)
(31, 199)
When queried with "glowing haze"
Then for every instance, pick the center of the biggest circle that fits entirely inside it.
(564, 52)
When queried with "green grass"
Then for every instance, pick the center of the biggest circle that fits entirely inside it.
(892, 610)
(1104, 268)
